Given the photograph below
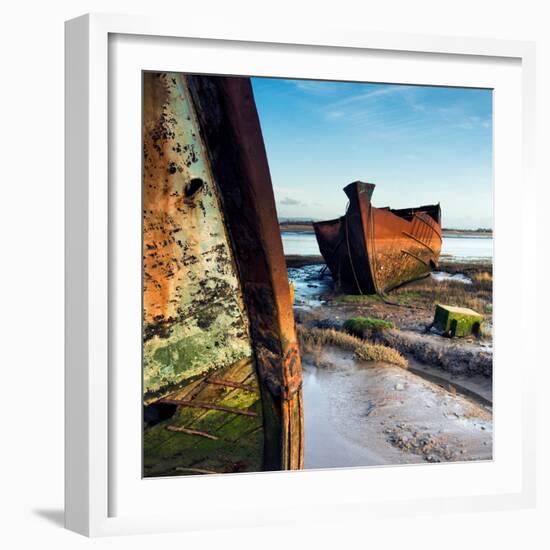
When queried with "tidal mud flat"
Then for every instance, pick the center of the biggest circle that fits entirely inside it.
(436, 409)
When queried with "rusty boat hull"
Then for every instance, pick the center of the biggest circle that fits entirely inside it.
(221, 368)
(373, 250)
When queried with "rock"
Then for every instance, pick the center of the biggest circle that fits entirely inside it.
(328, 324)
(457, 321)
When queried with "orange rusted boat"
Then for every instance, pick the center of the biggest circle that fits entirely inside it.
(372, 250)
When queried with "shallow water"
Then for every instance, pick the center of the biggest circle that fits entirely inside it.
(310, 282)
(467, 248)
(441, 276)
(301, 244)
(454, 247)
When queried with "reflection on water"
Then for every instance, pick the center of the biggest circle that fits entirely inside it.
(310, 282)
(301, 244)
(463, 248)
(441, 276)
(467, 248)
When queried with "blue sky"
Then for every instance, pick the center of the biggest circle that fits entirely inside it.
(418, 144)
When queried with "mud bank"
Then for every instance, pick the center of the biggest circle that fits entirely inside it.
(376, 414)
(318, 304)
(452, 356)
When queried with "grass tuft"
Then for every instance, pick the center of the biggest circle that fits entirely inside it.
(476, 296)
(483, 276)
(312, 341)
(404, 297)
(356, 298)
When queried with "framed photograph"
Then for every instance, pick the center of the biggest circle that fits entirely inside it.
(290, 270)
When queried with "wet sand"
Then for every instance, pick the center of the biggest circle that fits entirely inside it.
(365, 414)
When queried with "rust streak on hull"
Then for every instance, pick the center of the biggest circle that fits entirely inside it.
(419, 242)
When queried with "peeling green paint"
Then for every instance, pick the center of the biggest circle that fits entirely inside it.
(359, 326)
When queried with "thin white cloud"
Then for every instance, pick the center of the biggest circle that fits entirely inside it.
(317, 87)
(406, 118)
(473, 123)
(366, 110)
(287, 201)
(365, 96)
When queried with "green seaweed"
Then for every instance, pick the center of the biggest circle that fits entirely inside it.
(239, 443)
(362, 325)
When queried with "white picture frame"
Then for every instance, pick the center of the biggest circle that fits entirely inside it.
(103, 56)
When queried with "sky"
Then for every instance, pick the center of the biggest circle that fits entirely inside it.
(418, 144)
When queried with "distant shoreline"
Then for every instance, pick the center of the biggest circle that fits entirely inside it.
(307, 227)
(456, 266)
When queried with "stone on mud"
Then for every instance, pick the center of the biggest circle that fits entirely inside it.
(457, 321)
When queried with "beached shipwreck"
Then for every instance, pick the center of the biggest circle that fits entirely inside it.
(221, 367)
(372, 250)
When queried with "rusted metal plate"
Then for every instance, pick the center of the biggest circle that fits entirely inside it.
(372, 250)
(216, 292)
